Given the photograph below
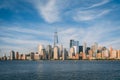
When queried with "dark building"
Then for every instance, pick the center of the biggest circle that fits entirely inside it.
(73, 43)
(87, 49)
(32, 55)
(49, 52)
(80, 49)
(12, 55)
(17, 55)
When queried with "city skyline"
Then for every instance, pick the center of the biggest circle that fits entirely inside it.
(24, 24)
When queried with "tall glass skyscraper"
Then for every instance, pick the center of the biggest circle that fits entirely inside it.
(73, 43)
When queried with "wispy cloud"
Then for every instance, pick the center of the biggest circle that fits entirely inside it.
(25, 30)
(49, 11)
(99, 4)
(89, 15)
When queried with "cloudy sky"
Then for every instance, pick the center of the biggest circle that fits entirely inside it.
(26, 23)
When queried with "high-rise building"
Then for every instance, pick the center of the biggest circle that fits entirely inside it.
(118, 54)
(64, 54)
(36, 56)
(12, 55)
(105, 54)
(96, 48)
(90, 54)
(87, 49)
(84, 47)
(32, 55)
(28, 57)
(43, 52)
(17, 56)
(56, 52)
(40, 48)
(49, 52)
(76, 43)
(76, 49)
(71, 43)
(22, 56)
(111, 49)
(72, 52)
(80, 49)
(114, 54)
(61, 50)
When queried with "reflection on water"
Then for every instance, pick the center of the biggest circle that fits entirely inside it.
(59, 70)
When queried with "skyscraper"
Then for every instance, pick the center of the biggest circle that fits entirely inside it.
(76, 49)
(64, 55)
(12, 55)
(84, 47)
(72, 52)
(80, 49)
(61, 50)
(71, 43)
(40, 48)
(96, 48)
(49, 52)
(17, 56)
(56, 52)
(76, 43)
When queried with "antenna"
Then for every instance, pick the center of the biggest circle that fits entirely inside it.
(55, 38)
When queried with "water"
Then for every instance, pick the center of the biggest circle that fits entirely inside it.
(60, 70)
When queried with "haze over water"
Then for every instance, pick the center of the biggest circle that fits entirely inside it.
(60, 70)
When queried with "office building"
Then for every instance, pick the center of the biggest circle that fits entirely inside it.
(22, 57)
(73, 43)
(72, 52)
(111, 49)
(84, 47)
(43, 54)
(49, 52)
(56, 52)
(36, 56)
(40, 48)
(90, 54)
(64, 54)
(76, 49)
(12, 55)
(80, 49)
(17, 55)
(32, 56)
(114, 54)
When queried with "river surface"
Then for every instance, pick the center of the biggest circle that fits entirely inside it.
(60, 70)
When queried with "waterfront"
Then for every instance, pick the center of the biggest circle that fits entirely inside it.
(60, 70)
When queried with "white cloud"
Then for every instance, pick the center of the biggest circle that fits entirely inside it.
(25, 30)
(89, 15)
(49, 11)
(23, 41)
(99, 4)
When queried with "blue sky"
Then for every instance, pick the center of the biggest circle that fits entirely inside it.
(26, 23)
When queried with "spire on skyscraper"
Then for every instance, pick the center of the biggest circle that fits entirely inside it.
(55, 38)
